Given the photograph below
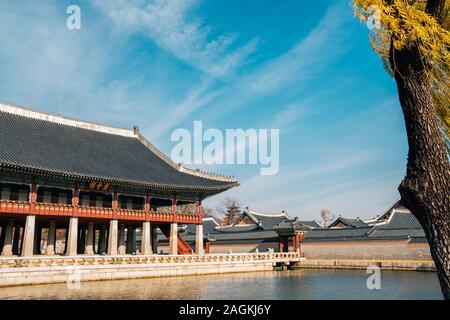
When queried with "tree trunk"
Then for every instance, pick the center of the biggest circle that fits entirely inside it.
(425, 190)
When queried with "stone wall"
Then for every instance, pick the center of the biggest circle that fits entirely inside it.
(377, 250)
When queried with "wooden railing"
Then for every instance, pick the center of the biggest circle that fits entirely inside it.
(55, 209)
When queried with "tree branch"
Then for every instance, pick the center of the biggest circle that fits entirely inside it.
(436, 8)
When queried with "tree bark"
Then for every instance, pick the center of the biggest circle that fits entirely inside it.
(425, 190)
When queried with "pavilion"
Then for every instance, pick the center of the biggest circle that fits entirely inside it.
(94, 184)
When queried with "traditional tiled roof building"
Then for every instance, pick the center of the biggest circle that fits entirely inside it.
(99, 183)
(395, 234)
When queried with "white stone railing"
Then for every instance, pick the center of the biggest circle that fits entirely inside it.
(43, 261)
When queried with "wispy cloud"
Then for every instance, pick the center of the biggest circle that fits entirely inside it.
(170, 24)
(290, 70)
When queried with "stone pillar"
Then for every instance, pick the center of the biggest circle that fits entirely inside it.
(146, 244)
(131, 240)
(173, 239)
(199, 239)
(51, 238)
(2, 236)
(102, 240)
(122, 248)
(82, 240)
(154, 235)
(8, 242)
(72, 237)
(112, 239)
(15, 247)
(37, 239)
(89, 248)
(28, 236)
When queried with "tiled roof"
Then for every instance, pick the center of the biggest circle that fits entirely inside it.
(349, 222)
(265, 220)
(65, 148)
(402, 225)
(238, 228)
(250, 235)
(339, 234)
(209, 226)
(311, 224)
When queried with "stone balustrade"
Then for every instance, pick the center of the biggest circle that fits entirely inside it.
(86, 260)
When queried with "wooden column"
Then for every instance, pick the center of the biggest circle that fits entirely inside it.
(76, 199)
(15, 247)
(90, 241)
(200, 212)
(102, 240)
(207, 247)
(154, 235)
(174, 205)
(115, 202)
(147, 208)
(33, 197)
(51, 238)
(121, 239)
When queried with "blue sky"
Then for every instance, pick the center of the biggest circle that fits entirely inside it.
(305, 67)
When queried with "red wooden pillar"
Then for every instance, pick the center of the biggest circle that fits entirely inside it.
(200, 212)
(33, 197)
(284, 244)
(207, 246)
(147, 208)
(174, 205)
(115, 202)
(75, 198)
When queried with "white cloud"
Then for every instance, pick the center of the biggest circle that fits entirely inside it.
(305, 59)
(170, 25)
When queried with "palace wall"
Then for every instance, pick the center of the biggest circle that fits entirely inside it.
(378, 250)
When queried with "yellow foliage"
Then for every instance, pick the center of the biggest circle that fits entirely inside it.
(403, 24)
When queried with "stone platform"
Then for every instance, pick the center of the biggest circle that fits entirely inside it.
(16, 271)
(397, 265)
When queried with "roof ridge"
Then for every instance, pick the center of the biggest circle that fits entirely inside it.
(269, 214)
(62, 120)
(179, 167)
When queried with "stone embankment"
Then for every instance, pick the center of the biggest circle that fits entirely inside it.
(43, 270)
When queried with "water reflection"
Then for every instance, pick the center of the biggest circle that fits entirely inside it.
(298, 284)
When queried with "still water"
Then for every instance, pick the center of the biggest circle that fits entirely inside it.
(296, 284)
